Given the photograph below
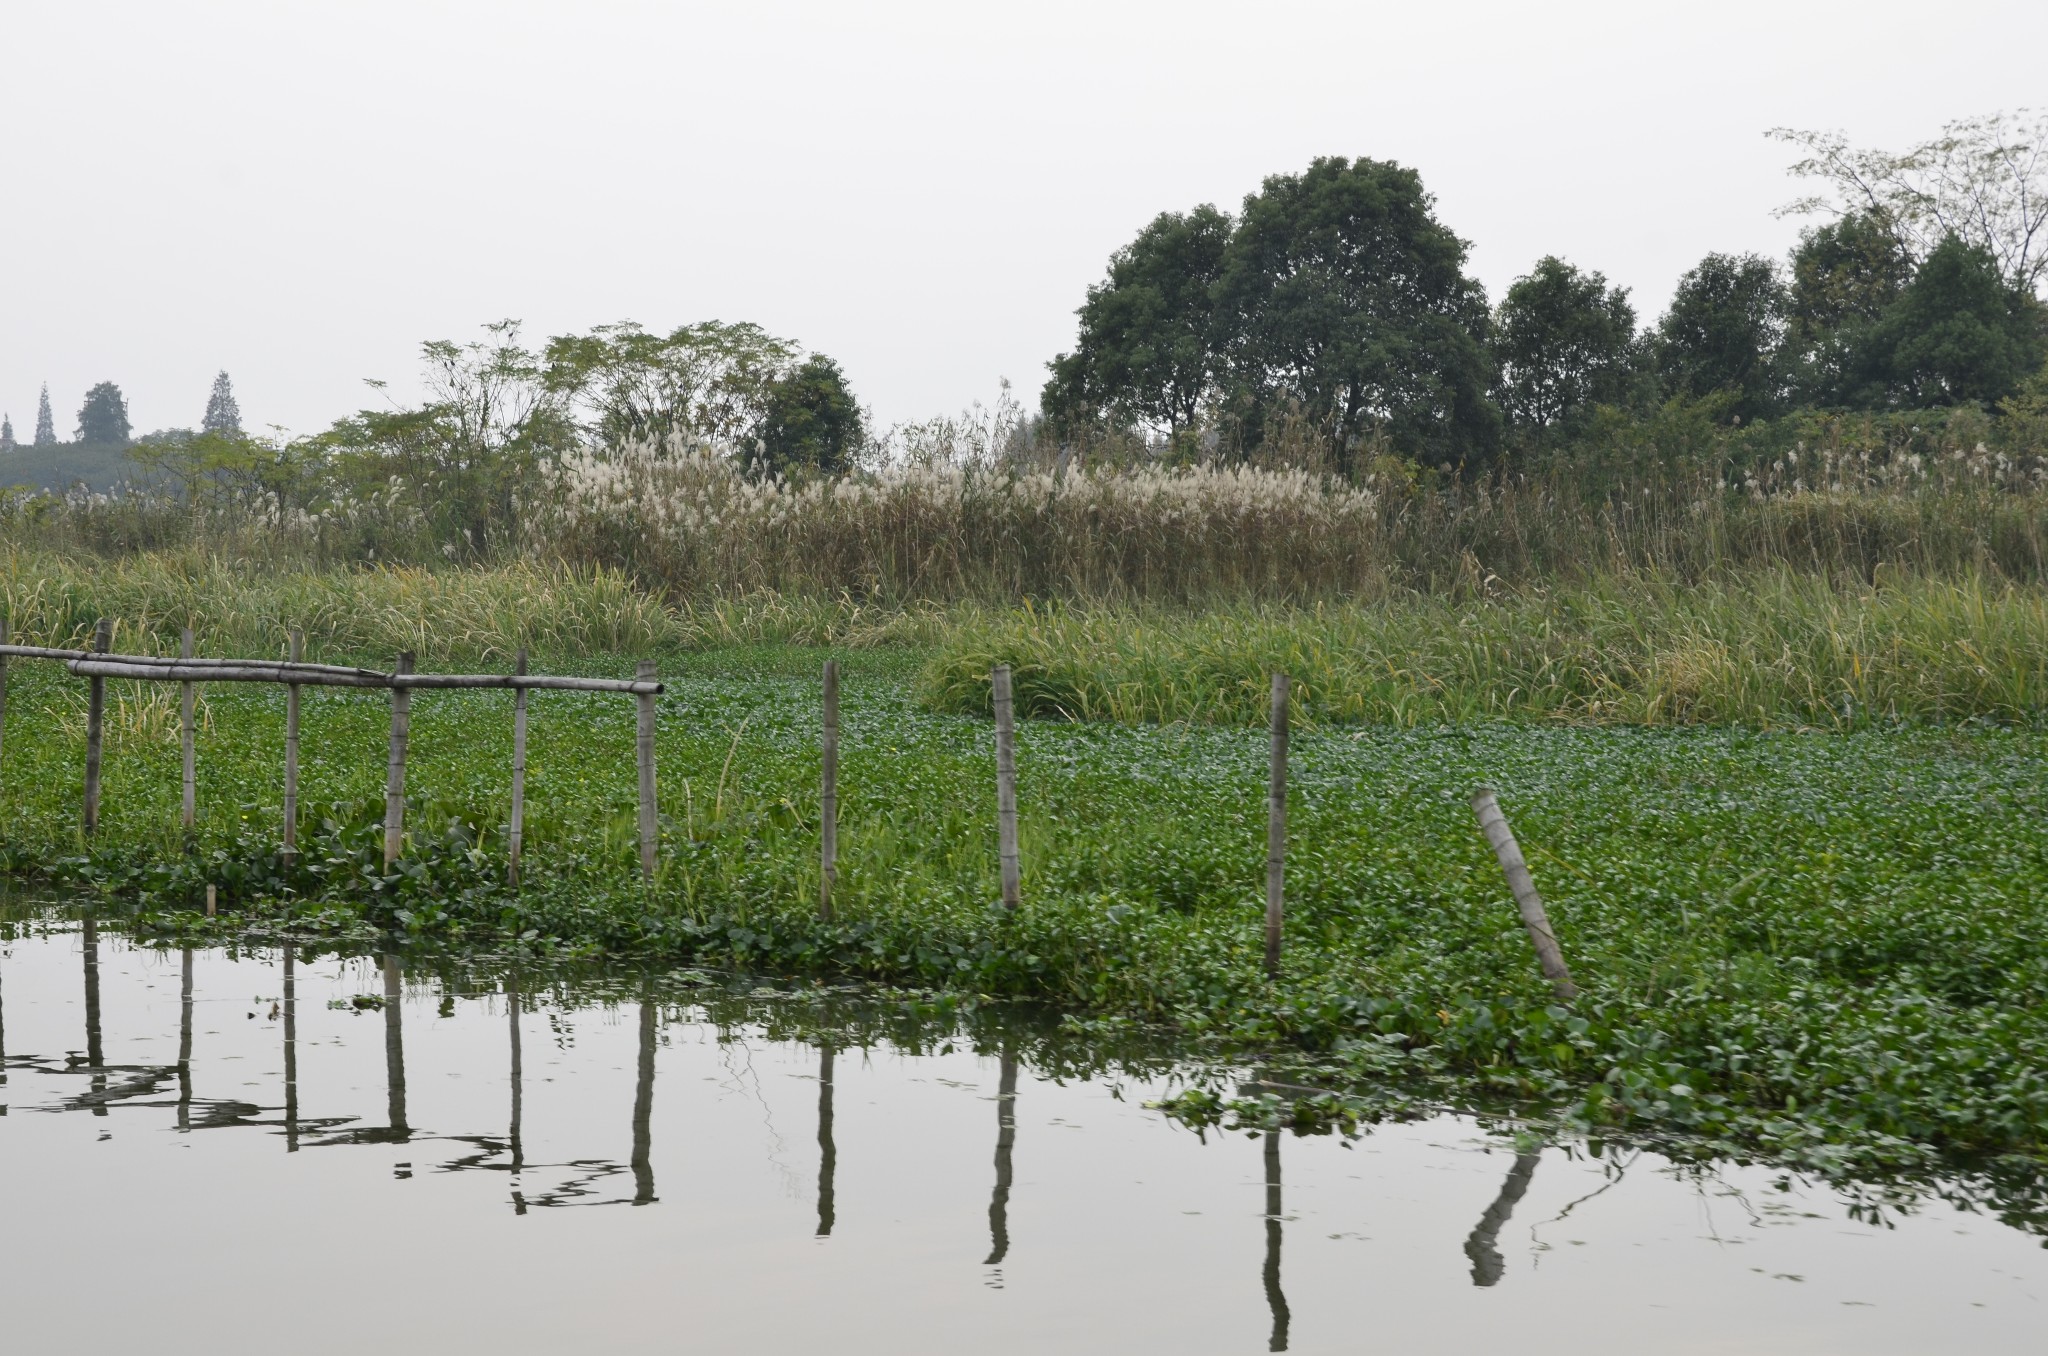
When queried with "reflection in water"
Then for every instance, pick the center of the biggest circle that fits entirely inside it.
(291, 1054)
(185, 1040)
(95, 1056)
(1276, 1299)
(518, 1093)
(643, 1108)
(394, 1051)
(1006, 1140)
(828, 1152)
(1487, 1263)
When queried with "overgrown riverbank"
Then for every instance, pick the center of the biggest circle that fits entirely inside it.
(1821, 947)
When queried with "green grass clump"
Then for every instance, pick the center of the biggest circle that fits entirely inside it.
(1769, 650)
(1824, 947)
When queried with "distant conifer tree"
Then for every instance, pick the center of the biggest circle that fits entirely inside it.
(222, 414)
(7, 443)
(46, 425)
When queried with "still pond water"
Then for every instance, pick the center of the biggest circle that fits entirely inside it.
(571, 1169)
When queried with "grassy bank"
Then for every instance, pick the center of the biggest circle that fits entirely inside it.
(1823, 947)
(1767, 650)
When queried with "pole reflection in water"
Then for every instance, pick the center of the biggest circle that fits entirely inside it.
(185, 1040)
(291, 1054)
(1006, 1141)
(828, 1152)
(1276, 1299)
(1487, 1263)
(394, 1049)
(643, 1108)
(95, 1055)
(518, 1093)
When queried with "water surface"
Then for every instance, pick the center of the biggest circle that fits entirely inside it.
(194, 1157)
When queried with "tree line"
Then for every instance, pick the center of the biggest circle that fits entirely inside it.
(1336, 299)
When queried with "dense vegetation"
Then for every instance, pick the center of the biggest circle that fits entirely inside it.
(1820, 946)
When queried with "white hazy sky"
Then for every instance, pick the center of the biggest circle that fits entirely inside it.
(301, 192)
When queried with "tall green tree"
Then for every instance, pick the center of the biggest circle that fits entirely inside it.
(811, 421)
(1147, 354)
(7, 443)
(1343, 295)
(1845, 275)
(103, 418)
(1959, 333)
(1723, 334)
(223, 415)
(1564, 341)
(46, 425)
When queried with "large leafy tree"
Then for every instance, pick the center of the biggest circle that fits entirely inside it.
(1723, 334)
(103, 418)
(1959, 333)
(1564, 341)
(707, 382)
(1845, 274)
(811, 420)
(1146, 354)
(1343, 295)
(1984, 180)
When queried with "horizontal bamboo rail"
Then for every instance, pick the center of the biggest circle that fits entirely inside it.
(145, 668)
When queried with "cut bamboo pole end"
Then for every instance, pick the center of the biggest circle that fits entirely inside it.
(1494, 824)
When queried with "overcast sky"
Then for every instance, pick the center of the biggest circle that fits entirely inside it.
(300, 193)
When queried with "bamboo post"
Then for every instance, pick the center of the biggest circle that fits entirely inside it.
(95, 721)
(212, 900)
(517, 831)
(1509, 853)
(1006, 787)
(189, 804)
(1276, 826)
(645, 670)
(291, 754)
(3, 685)
(394, 773)
(828, 796)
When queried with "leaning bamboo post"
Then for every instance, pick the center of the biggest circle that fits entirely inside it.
(1006, 787)
(516, 833)
(1509, 853)
(1276, 825)
(645, 670)
(189, 804)
(95, 722)
(291, 754)
(394, 773)
(828, 795)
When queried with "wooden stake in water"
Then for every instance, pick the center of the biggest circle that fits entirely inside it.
(189, 805)
(649, 830)
(212, 900)
(828, 795)
(1276, 825)
(95, 721)
(517, 832)
(1006, 787)
(291, 754)
(394, 772)
(1509, 853)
